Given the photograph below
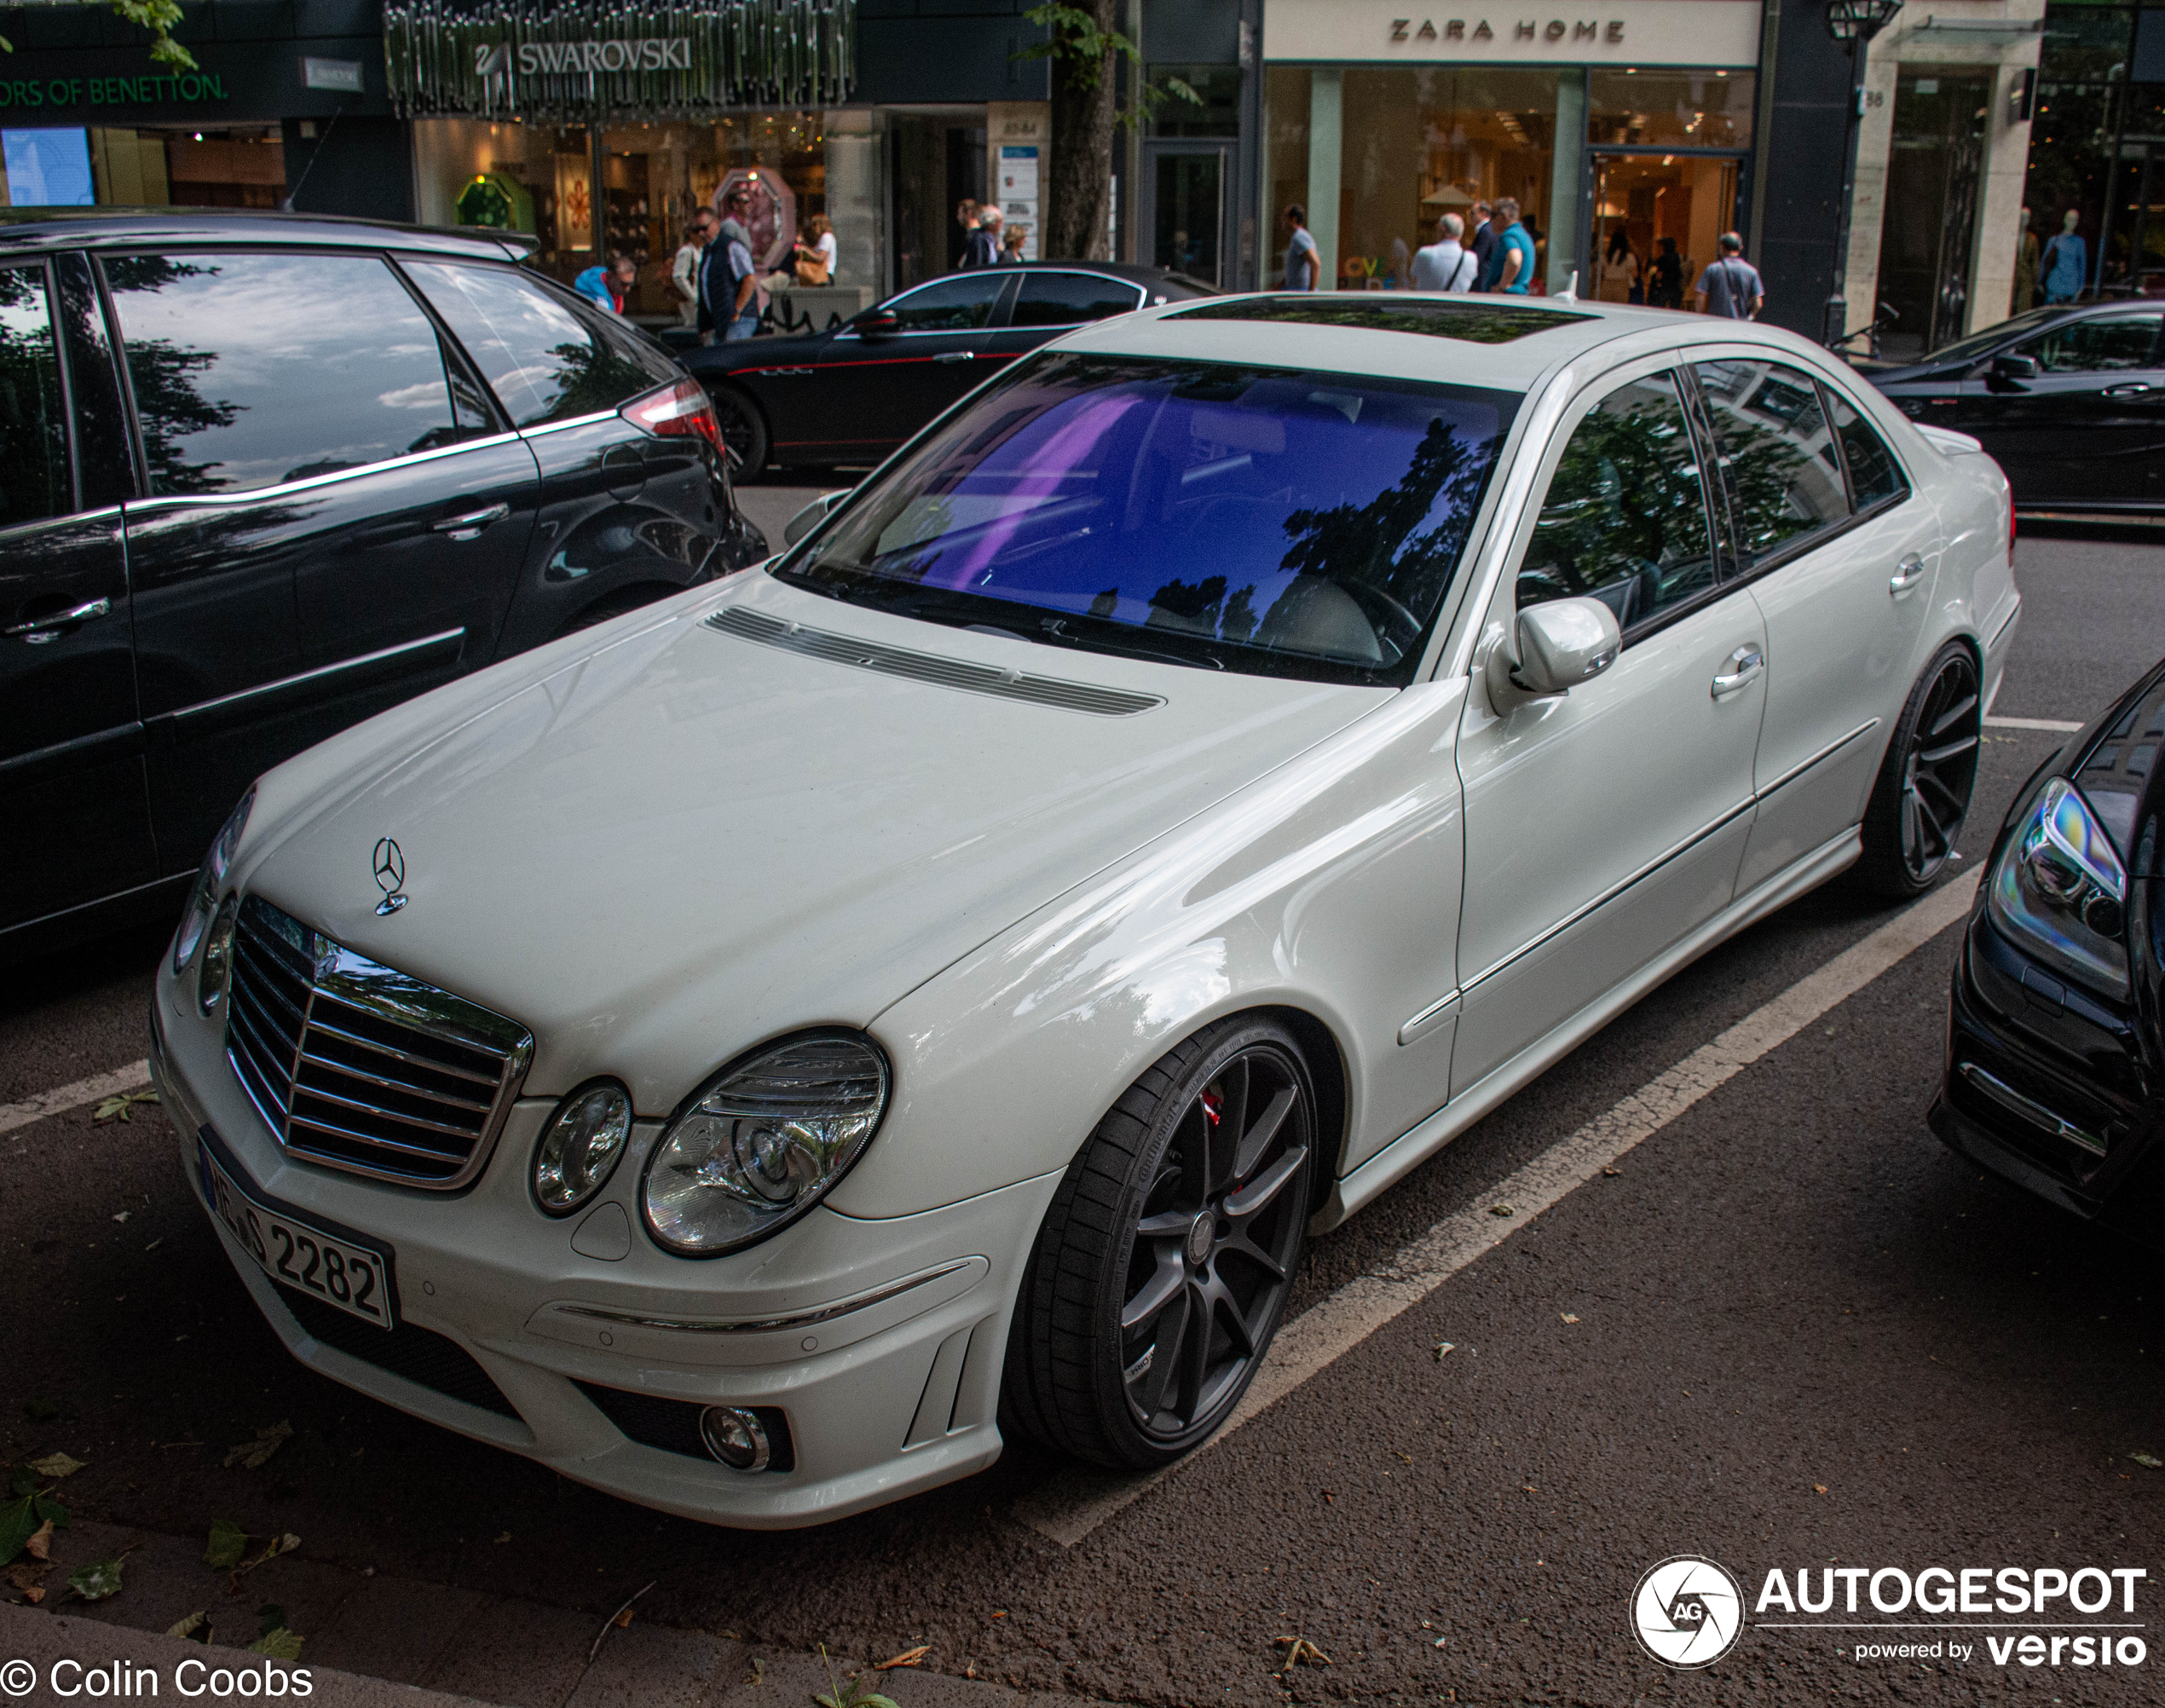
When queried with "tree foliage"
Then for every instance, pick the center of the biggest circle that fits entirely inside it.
(157, 16)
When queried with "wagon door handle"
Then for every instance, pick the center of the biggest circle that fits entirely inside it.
(956, 355)
(1743, 664)
(469, 525)
(2134, 388)
(1907, 574)
(45, 629)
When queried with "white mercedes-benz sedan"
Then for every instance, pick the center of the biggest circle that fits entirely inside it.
(750, 1055)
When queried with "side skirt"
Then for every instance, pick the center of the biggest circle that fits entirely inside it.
(1410, 1150)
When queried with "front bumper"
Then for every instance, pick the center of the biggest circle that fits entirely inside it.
(2044, 1085)
(879, 1342)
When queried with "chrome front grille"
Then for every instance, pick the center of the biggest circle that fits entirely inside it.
(360, 1067)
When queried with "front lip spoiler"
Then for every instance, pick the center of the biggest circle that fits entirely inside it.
(767, 1326)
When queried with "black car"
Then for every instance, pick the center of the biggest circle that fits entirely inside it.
(2056, 1053)
(261, 476)
(854, 392)
(2069, 401)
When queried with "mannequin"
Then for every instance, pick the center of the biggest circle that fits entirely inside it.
(2065, 265)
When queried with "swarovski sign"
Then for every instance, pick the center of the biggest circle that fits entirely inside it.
(577, 61)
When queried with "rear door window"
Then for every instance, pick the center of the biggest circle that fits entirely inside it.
(1071, 299)
(1874, 475)
(252, 370)
(34, 476)
(1778, 457)
(547, 357)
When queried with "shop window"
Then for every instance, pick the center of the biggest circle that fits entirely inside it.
(252, 370)
(1678, 109)
(1216, 115)
(2084, 44)
(33, 440)
(1286, 89)
(48, 169)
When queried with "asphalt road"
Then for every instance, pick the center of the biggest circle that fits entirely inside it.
(1791, 1330)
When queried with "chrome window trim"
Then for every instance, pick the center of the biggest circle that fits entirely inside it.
(257, 494)
(540, 428)
(1429, 1018)
(800, 1319)
(203, 707)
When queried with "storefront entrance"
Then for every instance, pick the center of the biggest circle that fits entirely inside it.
(1649, 208)
(1185, 203)
(1928, 231)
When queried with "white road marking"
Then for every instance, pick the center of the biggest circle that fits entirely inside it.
(1073, 1504)
(67, 1097)
(2058, 726)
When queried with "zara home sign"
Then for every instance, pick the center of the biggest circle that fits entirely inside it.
(1663, 32)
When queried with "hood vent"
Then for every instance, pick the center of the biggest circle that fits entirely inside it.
(925, 667)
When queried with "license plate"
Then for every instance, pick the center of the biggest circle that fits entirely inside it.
(348, 1277)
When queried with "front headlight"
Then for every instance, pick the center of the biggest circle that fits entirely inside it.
(202, 899)
(762, 1142)
(580, 1146)
(2060, 891)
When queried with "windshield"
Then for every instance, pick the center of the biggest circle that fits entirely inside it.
(1261, 520)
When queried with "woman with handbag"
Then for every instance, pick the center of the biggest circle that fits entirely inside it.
(815, 261)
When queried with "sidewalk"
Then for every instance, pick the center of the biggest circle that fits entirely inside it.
(371, 1640)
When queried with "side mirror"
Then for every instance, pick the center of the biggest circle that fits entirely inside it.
(2014, 367)
(812, 515)
(1560, 643)
(879, 323)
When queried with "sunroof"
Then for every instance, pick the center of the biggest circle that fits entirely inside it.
(1477, 321)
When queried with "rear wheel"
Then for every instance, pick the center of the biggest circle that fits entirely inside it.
(744, 431)
(1161, 1273)
(1923, 792)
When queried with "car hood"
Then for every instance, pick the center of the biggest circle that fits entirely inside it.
(666, 846)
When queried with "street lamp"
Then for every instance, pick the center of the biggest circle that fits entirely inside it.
(1854, 22)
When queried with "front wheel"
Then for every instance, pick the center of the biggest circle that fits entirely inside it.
(1160, 1275)
(1923, 792)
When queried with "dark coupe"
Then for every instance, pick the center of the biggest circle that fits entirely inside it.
(2055, 1048)
(2069, 401)
(851, 393)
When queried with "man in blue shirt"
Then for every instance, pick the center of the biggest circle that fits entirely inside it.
(729, 284)
(1303, 268)
(1511, 263)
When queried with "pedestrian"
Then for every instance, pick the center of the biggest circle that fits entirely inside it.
(608, 287)
(1011, 243)
(815, 261)
(729, 282)
(966, 215)
(1511, 263)
(1730, 286)
(984, 248)
(684, 276)
(2066, 264)
(1447, 264)
(1483, 242)
(1665, 276)
(706, 227)
(1619, 279)
(2026, 258)
(1303, 262)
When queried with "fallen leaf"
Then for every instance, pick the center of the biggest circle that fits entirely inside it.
(1528, 1488)
(1000, 1613)
(57, 1466)
(26, 1578)
(623, 1621)
(228, 1542)
(276, 1546)
(280, 1645)
(252, 1454)
(123, 1216)
(118, 1108)
(38, 1545)
(2146, 1459)
(1568, 1317)
(196, 1626)
(1444, 1349)
(1611, 1172)
(1819, 1488)
(505, 1538)
(758, 1670)
(1501, 1210)
(97, 1580)
(908, 1657)
(1299, 1649)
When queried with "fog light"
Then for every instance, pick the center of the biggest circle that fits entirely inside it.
(736, 1437)
(217, 957)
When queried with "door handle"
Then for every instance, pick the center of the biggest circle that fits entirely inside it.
(48, 628)
(956, 355)
(1907, 574)
(2130, 389)
(469, 525)
(1744, 665)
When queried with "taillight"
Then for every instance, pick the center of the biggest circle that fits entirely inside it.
(2010, 525)
(681, 410)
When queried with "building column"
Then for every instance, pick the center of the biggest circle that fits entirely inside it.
(1869, 207)
(853, 198)
(1326, 95)
(2000, 201)
(1567, 208)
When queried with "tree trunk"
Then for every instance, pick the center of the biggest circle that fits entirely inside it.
(1078, 210)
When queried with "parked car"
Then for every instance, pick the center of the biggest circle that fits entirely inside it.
(261, 476)
(931, 984)
(2054, 1050)
(2069, 401)
(852, 393)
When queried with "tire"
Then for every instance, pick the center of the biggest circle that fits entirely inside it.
(744, 431)
(1214, 1147)
(1922, 796)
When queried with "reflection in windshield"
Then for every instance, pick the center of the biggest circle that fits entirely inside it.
(1251, 519)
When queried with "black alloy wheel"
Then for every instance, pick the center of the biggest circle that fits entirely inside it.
(1162, 1272)
(1922, 797)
